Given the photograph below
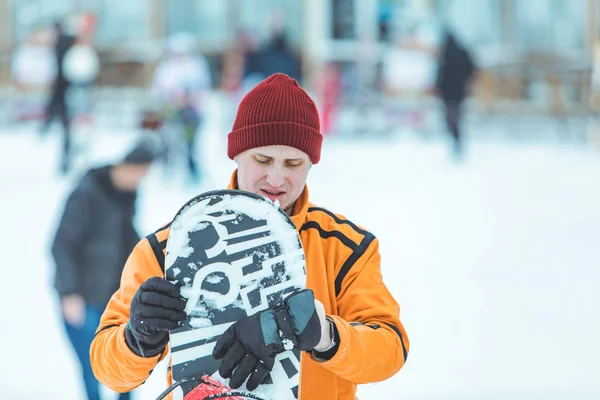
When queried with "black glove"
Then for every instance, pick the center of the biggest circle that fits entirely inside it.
(298, 320)
(250, 345)
(156, 308)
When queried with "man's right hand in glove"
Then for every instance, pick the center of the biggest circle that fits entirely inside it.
(156, 308)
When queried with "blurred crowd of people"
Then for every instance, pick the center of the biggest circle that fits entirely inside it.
(414, 67)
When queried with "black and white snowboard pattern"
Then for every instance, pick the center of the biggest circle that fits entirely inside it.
(233, 253)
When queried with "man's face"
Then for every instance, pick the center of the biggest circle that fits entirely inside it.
(276, 172)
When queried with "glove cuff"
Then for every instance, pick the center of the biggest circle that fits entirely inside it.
(144, 350)
(328, 354)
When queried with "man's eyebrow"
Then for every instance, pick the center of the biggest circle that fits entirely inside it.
(271, 158)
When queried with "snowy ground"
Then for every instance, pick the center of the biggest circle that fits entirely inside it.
(495, 262)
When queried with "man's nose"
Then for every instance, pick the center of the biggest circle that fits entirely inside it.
(275, 177)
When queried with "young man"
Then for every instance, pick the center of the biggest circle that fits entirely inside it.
(93, 240)
(354, 334)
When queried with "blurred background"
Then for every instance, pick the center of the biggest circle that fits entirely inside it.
(463, 133)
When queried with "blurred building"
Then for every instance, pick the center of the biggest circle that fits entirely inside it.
(534, 49)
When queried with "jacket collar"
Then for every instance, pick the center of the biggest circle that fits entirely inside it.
(299, 210)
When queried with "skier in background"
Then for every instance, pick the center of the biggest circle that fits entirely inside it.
(57, 103)
(455, 72)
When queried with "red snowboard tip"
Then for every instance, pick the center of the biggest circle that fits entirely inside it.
(209, 387)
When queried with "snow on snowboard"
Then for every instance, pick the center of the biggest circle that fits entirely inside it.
(233, 253)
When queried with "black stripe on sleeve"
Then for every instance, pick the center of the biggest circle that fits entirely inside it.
(157, 249)
(163, 228)
(105, 328)
(339, 220)
(395, 329)
(356, 254)
(327, 234)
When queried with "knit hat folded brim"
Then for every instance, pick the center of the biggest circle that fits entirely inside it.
(301, 137)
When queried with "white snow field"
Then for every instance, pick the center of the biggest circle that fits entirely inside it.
(495, 262)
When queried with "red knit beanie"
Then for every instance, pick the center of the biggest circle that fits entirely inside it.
(276, 112)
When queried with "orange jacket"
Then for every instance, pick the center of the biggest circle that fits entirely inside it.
(343, 270)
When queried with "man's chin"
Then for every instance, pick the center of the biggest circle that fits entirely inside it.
(283, 203)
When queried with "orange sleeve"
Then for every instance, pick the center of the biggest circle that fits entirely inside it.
(373, 344)
(113, 363)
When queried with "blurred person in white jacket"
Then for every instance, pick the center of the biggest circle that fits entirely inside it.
(180, 82)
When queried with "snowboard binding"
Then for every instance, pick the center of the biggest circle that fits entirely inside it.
(209, 389)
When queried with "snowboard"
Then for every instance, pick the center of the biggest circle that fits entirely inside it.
(233, 253)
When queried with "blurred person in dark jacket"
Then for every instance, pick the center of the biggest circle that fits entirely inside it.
(57, 103)
(279, 56)
(455, 72)
(92, 243)
(190, 119)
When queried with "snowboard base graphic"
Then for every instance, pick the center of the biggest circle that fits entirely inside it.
(233, 254)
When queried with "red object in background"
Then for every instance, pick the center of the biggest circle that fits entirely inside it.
(83, 120)
(209, 387)
(84, 26)
(88, 24)
(151, 121)
(330, 94)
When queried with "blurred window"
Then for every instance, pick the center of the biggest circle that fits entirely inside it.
(206, 19)
(387, 11)
(260, 16)
(551, 25)
(343, 22)
(119, 20)
(31, 14)
(596, 26)
(475, 22)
